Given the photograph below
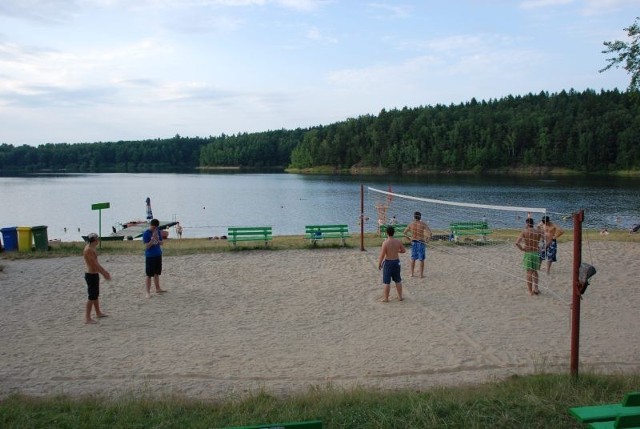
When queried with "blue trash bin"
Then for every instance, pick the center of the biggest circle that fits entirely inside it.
(10, 238)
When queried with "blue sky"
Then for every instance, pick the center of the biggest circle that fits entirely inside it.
(106, 70)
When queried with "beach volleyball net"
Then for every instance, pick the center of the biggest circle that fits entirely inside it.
(481, 237)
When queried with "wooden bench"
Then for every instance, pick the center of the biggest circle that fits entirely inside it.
(608, 413)
(399, 230)
(460, 229)
(312, 424)
(314, 233)
(249, 233)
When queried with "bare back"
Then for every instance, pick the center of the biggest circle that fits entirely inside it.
(529, 239)
(419, 230)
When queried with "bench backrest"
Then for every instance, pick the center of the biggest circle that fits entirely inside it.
(312, 229)
(237, 231)
(461, 226)
(399, 229)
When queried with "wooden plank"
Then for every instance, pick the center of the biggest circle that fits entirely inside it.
(630, 421)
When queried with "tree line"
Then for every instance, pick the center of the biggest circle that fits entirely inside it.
(584, 131)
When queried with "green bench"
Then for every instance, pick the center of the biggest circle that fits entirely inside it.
(399, 230)
(630, 406)
(631, 421)
(461, 229)
(249, 233)
(315, 233)
(313, 424)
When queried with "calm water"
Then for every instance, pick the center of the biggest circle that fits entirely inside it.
(205, 204)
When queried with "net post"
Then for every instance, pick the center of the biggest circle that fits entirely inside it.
(578, 218)
(362, 217)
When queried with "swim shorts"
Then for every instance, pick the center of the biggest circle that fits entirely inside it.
(391, 271)
(531, 261)
(418, 250)
(153, 265)
(550, 253)
(93, 285)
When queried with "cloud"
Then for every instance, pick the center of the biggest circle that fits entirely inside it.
(48, 12)
(394, 10)
(535, 4)
(597, 7)
(314, 34)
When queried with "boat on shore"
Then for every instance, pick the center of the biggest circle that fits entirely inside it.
(134, 229)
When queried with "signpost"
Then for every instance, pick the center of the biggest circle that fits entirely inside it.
(100, 207)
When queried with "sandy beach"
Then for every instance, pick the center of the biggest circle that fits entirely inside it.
(236, 322)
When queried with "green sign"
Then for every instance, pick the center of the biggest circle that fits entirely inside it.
(100, 206)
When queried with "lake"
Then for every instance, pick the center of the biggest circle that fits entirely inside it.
(206, 204)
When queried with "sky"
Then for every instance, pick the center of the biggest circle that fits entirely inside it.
(75, 71)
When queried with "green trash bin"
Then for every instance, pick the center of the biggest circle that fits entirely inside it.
(40, 238)
(25, 237)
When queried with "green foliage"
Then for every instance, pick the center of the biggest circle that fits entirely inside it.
(537, 401)
(626, 55)
(584, 132)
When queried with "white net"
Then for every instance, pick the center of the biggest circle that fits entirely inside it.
(480, 237)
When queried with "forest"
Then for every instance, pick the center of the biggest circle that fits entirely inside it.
(582, 131)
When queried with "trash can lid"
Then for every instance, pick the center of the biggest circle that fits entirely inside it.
(39, 227)
(23, 228)
(8, 228)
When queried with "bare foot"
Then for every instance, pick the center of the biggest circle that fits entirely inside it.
(421, 276)
(400, 298)
(383, 300)
(101, 315)
(148, 295)
(90, 322)
(160, 291)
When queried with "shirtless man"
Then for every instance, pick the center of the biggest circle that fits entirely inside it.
(389, 263)
(528, 243)
(93, 269)
(551, 233)
(419, 233)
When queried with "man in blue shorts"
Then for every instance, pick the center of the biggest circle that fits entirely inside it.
(152, 240)
(551, 232)
(420, 233)
(389, 263)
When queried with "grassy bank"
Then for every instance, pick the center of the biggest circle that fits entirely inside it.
(538, 401)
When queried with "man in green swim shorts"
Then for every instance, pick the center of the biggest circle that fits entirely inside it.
(528, 242)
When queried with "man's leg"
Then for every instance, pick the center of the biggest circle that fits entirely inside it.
(156, 282)
(530, 281)
(413, 265)
(147, 281)
(385, 297)
(534, 280)
(422, 268)
(87, 313)
(399, 291)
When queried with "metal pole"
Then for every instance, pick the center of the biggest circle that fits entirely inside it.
(100, 228)
(578, 218)
(362, 217)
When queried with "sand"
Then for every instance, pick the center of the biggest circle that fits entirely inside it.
(282, 321)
